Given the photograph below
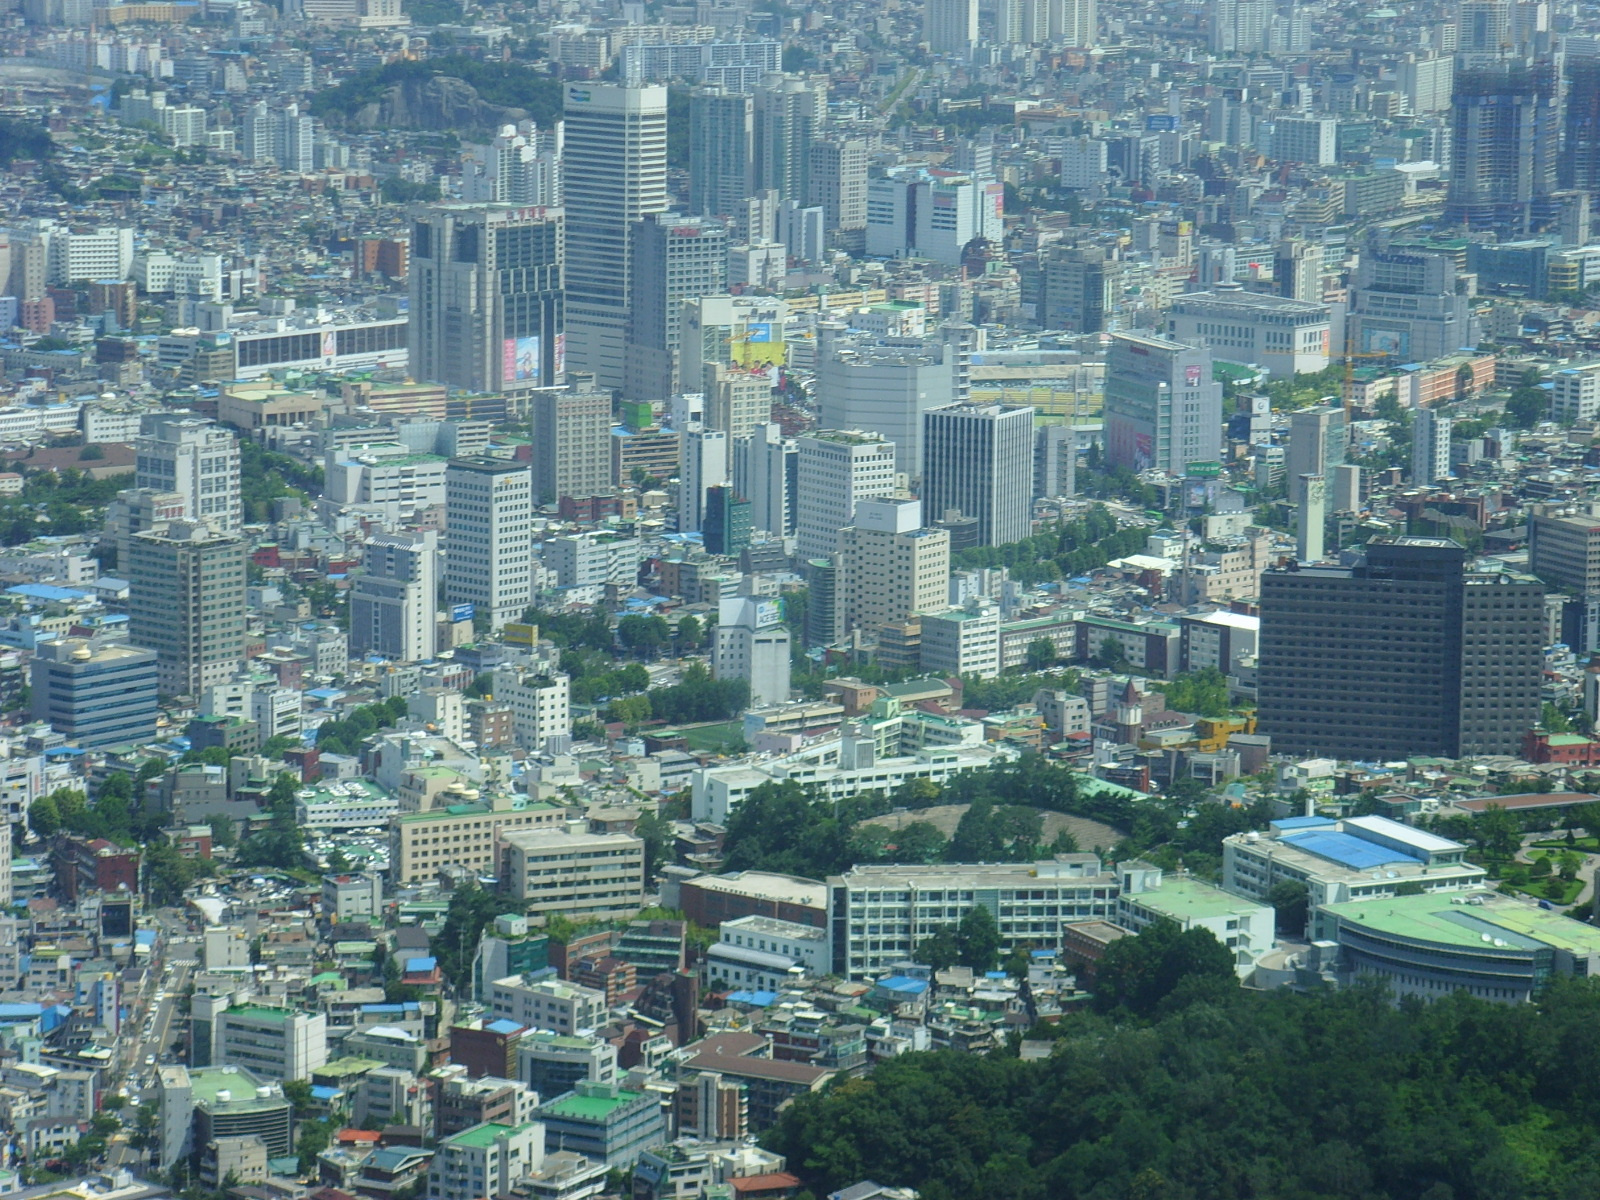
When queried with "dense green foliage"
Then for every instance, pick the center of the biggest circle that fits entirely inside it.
(265, 476)
(470, 912)
(345, 736)
(698, 697)
(1007, 691)
(1228, 1094)
(115, 815)
(510, 84)
(973, 942)
(1203, 693)
(1063, 550)
(25, 140)
(591, 629)
(282, 844)
(57, 503)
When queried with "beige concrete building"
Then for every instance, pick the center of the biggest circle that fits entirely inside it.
(892, 566)
(569, 870)
(462, 835)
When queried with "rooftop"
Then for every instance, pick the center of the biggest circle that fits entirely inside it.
(1186, 899)
(1450, 920)
(481, 1137)
(578, 1107)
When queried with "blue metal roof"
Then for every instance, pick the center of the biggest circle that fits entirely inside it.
(503, 1026)
(1346, 850)
(421, 964)
(904, 983)
(759, 999)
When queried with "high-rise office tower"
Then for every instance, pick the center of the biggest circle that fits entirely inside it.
(488, 513)
(1346, 492)
(486, 297)
(737, 400)
(1319, 439)
(951, 26)
(1055, 461)
(673, 257)
(824, 605)
(615, 167)
(893, 567)
(726, 527)
(1430, 447)
(978, 459)
(186, 602)
(1580, 154)
(721, 151)
(394, 602)
(1311, 518)
(571, 444)
(863, 383)
(1162, 408)
(766, 469)
(1080, 288)
(838, 181)
(196, 458)
(1405, 653)
(1425, 81)
(752, 644)
(704, 463)
(837, 469)
(788, 115)
(1505, 139)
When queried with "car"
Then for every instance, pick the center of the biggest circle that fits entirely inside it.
(133, 1100)
(149, 1060)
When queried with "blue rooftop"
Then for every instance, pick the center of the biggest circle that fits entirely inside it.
(319, 1092)
(759, 999)
(1346, 850)
(904, 983)
(46, 591)
(503, 1026)
(421, 964)
(1303, 822)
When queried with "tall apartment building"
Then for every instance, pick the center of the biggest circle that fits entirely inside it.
(1430, 447)
(737, 399)
(186, 603)
(1319, 439)
(788, 115)
(673, 257)
(488, 538)
(1239, 26)
(394, 602)
(1406, 652)
(892, 566)
(1162, 408)
(1310, 141)
(195, 457)
(836, 470)
(486, 297)
(1034, 22)
(520, 165)
(838, 181)
(541, 705)
(951, 26)
(95, 694)
(571, 444)
(615, 160)
(721, 151)
(977, 459)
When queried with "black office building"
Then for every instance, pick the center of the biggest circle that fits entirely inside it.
(1404, 653)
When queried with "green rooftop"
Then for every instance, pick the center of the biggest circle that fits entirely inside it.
(260, 1012)
(1521, 924)
(345, 1068)
(481, 1137)
(578, 1107)
(207, 1085)
(1186, 900)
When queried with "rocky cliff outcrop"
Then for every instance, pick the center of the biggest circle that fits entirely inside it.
(441, 104)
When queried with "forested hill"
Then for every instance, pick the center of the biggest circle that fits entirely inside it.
(1237, 1094)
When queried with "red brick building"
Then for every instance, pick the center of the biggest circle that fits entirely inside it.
(84, 865)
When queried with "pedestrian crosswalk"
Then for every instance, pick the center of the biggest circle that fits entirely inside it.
(183, 962)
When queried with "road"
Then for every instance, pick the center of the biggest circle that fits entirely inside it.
(170, 976)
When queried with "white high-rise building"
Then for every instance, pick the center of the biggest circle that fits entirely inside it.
(1163, 409)
(489, 537)
(520, 165)
(80, 255)
(703, 462)
(837, 469)
(765, 471)
(1033, 22)
(1430, 447)
(615, 166)
(1240, 26)
(541, 703)
(978, 459)
(752, 644)
(394, 601)
(951, 26)
(196, 458)
(885, 386)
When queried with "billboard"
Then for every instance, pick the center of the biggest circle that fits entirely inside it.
(462, 612)
(521, 363)
(1393, 342)
(560, 365)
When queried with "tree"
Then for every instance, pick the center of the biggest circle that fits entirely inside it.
(657, 836)
(689, 632)
(940, 950)
(298, 1093)
(1041, 654)
(978, 939)
(1111, 656)
(1496, 832)
(644, 635)
(471, 909)
(1140, 972)
(44, 817)
(1290, 899)
(1553, 720)
(282, 843)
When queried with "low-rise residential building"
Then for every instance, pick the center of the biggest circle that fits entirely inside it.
(569, 870)
(605, 1121)
(551, 1004)
(482, 1163)
(764, 953)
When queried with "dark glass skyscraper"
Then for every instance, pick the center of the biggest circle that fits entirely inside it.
(1505, 139)
(1404, 653)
